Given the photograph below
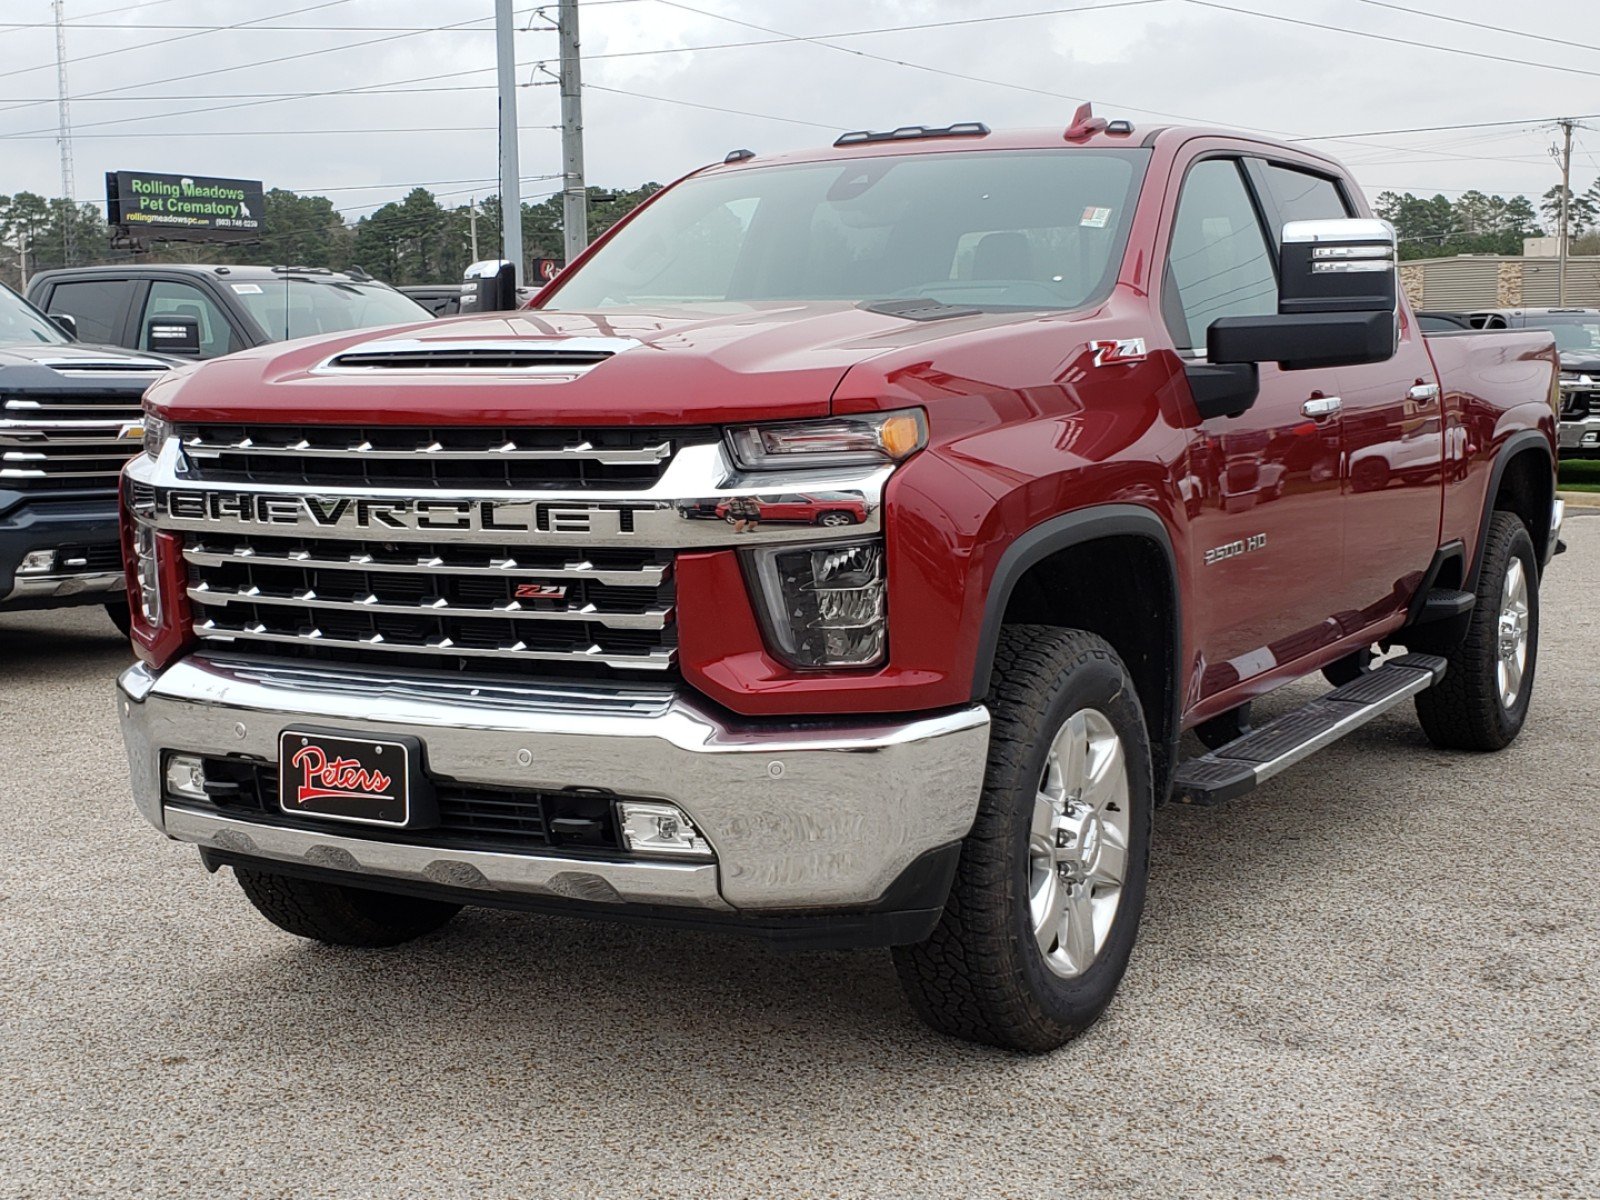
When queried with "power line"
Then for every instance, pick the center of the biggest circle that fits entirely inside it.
(738, 112)
(1433, 16)
(181, 37)
(250, 96)
(1383, 37)
(120, 8)
(1335, 137)
(825, 40)
(233, 133)
(249, 27)
(393, 37)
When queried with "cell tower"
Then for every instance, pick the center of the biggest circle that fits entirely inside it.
(64, 119)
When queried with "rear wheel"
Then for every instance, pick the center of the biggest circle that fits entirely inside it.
(1482, 701)
(339, 915)
(836, 519)
(1042, 916)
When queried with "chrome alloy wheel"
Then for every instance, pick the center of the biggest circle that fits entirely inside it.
(1513, 633)
(1078, 842)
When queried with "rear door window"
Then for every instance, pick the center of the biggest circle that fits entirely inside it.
(100, 307)
(1303, 196)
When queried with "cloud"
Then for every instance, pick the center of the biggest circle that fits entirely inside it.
(1168, 57)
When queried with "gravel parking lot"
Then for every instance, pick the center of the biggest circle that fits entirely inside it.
(1374, 977)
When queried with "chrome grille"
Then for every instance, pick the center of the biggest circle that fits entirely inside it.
(59, 442)
(463, 457)
(464, 607)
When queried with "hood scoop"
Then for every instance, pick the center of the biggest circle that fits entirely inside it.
(103, 366)
(559, 357)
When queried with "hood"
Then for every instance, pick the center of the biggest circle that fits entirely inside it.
(73, 366)
(701, 365)
(1585, 362)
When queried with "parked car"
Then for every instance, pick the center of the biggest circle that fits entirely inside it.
(796, 508)
(426, 618)
(1577, 334)
(69, 419)
(228, 308)
(441, 299)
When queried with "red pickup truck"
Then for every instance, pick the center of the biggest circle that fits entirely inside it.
(445, 615)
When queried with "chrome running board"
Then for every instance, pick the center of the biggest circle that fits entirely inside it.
(1234, 769)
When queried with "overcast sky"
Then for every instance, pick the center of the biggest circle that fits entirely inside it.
(1150, 60)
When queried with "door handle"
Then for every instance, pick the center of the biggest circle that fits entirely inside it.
(1319, 407)
(1423, 393)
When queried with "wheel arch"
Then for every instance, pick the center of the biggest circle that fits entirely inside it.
(1522, 481)
(1131, 549)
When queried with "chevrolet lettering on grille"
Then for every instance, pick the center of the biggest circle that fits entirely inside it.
(351, 514)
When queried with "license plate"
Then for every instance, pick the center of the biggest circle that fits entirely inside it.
(370, 781)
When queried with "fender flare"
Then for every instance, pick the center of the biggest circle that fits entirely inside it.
(1063, 532)
(1517, 443)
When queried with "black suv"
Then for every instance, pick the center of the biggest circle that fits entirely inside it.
(231, 308)
(69, 419)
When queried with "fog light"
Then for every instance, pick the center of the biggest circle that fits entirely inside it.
(37, 562)
(186, 776)
(658, 828)
(1591, 439)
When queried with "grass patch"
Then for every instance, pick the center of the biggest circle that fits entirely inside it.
(1580, 475)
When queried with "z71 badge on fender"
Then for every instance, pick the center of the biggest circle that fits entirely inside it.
(1216, 554)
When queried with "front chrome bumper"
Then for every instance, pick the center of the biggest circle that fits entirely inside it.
(30, 588)
(819, 814)
(1580, 434)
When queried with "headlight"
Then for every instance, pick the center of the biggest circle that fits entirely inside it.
(823, 606)
(146, 573)
(156, 432)
(835, 442)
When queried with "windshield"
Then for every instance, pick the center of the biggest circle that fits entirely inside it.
(997, 229)
(292, 308)
(21, 322)
(1574, 334)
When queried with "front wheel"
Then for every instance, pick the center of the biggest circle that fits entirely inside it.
(1045, 906)
(120, 616)
(1482, 701)
(339, 915)
(835, 520)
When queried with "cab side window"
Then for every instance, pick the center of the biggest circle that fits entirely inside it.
(170, 299)
(98, 305)
(1218, 263)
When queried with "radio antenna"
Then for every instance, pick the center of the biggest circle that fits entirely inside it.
(64, 133)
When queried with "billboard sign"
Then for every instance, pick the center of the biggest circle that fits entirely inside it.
(185, 207)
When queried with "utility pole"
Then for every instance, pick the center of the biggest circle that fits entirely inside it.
(22, 258)
(472, 228)
(510, 166)
(64, 130)
(574, 198)
(1565, 155)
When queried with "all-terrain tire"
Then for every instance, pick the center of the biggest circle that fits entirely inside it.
(120, 616)
(1465, 710)
(338, 915)
(982, 975)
